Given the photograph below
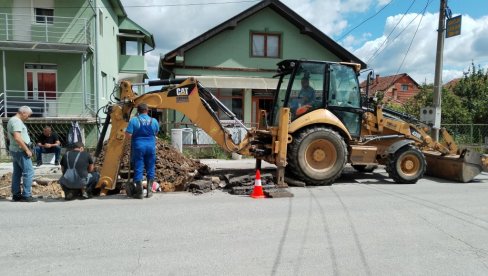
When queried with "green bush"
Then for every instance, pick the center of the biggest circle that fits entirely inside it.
(207, 152)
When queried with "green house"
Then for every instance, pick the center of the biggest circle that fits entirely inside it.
(64, 59)
(238, 58)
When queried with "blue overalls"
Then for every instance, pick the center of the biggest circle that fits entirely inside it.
(144, 148)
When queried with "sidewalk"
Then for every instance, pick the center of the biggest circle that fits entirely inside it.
(49, 171)
(54, 172)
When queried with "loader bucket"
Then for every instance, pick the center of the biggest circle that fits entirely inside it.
(460, 168)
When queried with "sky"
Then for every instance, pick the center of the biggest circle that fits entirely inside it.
(391, 36)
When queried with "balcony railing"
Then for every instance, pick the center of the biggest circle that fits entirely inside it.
(47, 104)
(131, 63)
(48, 29)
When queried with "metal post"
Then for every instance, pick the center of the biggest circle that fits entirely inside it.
(85, 31)
(45, 28)
(438, 70)
(6, 25)
(45, 104)
(4, 84)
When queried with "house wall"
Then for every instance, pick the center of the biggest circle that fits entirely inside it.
(69, 76)
(107, 48)
(232, 48)
(6, 6)
(402, 96)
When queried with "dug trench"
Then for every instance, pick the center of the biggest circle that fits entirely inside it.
(174, 172)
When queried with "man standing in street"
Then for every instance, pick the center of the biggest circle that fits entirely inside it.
(48, 142)
(21, 155)
(142, 129)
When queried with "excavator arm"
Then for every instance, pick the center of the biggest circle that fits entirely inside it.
(444, 159)
(187, 97)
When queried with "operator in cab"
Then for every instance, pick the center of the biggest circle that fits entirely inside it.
(142, 131)
(306, 96)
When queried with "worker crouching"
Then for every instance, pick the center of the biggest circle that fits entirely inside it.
(142, 131)
(79, 177)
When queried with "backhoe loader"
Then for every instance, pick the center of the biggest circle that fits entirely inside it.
(314, 137)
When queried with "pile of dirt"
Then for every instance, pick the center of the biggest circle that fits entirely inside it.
(41, 187)
(173, 170)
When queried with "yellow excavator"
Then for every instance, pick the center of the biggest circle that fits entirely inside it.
(317, 125)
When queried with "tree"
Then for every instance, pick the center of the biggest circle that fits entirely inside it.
(453, 111)
(473, 90)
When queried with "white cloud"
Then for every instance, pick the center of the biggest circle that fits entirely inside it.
(175, 25)
(459, 51)
(381, 3)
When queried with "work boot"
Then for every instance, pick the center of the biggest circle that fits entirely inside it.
(138, 190)
(129, 189)
(149, 188)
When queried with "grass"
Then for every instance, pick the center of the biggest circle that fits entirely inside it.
(206, 152)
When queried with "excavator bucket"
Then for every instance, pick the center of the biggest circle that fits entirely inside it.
(460, 168)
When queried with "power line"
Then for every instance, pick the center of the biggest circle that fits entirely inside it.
(386, 39)
(411, 41)
(400, 33)
(158, 5)
(189, 4)
(367, 19)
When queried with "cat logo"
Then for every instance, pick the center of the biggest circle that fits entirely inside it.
(182, 91)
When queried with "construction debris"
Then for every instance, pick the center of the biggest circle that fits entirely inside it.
(173, 170)
(42, 187)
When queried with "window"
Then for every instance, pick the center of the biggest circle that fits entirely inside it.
(44, 15)
(265, 45)
(232, 99)
(104, 85)
(404, 87)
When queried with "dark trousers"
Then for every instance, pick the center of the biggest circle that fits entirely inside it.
(39, 151)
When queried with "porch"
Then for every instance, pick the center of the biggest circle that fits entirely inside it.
(36, 31)
(48, 104)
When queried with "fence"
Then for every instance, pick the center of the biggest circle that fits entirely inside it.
(40, 28)
(474, 136)
(47, 103)
(35, 128)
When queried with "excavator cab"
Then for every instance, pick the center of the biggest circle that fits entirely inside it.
(305, 86)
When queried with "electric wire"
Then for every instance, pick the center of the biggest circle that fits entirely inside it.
(394, 28)
(411, 42)
(366, 20)
(158, 5)
(399, 34)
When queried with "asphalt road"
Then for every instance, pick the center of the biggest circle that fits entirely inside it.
(362, 225)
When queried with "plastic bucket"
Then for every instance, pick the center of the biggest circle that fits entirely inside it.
(177, 139)
(187, 136)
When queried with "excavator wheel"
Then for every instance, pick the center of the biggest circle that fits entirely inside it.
(406, 165)
(317, 155)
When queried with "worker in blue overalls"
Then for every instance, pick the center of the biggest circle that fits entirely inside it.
(142, 129)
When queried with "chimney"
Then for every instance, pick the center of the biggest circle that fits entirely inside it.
(377, 78)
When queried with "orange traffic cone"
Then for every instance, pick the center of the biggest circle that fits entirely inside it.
(257, 192)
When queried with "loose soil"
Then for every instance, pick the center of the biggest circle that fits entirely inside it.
(173, 172)
(41, 187)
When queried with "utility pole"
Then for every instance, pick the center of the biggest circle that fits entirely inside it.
(438, 70)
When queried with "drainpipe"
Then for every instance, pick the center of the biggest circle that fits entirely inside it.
(95, 72)
(4, 84)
